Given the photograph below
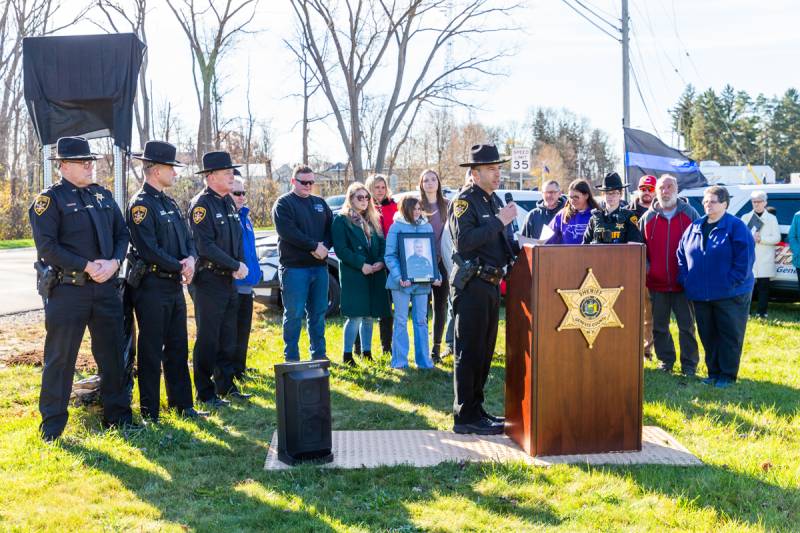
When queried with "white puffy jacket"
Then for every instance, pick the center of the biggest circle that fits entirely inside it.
(764, 266)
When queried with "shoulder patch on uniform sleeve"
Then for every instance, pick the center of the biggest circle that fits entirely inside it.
(460, 207)
(40, 204)
(138, 213)
(634, 219)
(198, 214)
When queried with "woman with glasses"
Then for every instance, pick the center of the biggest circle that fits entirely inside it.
(359, 243)
(570, 223)
(715, 267)
(434, 205)
(409, 219)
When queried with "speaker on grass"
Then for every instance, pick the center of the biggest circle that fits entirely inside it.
(303, 401)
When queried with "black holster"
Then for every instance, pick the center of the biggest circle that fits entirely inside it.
(136, 271)
(46, 279)
(463, 271)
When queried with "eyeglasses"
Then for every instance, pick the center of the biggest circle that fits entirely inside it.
(305, 183)
(647, 189)
(361, 197)
(239, 193)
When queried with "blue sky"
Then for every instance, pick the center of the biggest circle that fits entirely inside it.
(562, 61)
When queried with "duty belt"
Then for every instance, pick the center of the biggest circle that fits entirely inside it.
(493, 275)
(74, 277)
(154, 269)
(205, 264)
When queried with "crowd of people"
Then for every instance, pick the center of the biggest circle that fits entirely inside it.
(395, 259)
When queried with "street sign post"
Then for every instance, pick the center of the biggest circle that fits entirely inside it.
(521, 162)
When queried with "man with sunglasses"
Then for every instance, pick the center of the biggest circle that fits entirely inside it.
(244, 286)
(303, 222)
(81, 240)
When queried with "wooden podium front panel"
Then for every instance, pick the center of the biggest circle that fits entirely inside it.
(587, 400)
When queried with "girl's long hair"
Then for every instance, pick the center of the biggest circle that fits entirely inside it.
(582, 186)
(369, 220)
(441, 202)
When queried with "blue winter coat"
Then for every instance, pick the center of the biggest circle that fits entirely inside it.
(249, 247)
(392, 256)
(724, 268)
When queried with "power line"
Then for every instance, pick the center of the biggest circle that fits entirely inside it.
(641, 97)
(587, 8)
(593, 23)
(614, 16)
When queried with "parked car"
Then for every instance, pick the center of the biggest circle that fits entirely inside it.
(268, 291)
(785, 199)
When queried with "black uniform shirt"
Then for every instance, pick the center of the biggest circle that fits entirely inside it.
(476, 230)
(73, 225)
(618, 226)
(216, 229)
(159, 233)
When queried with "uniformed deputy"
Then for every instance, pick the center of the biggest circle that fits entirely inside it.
(162, 258)
(81, 236)
(217, 234)
(482, 251)
(612, 224)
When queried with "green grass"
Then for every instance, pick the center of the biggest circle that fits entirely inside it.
(16, 243)
(208, 476)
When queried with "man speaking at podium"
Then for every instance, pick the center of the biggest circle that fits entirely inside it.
(482, 252)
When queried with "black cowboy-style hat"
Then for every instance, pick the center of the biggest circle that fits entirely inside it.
(159, 152)
(484, 154)
(73, 149)
(216, 161)
(612, 182)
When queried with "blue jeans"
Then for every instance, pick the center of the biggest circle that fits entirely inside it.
(356, 325)
(400, 345)
(304, 290)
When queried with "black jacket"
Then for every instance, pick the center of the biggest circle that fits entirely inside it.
(301, 223)
(616, 227)
(540, 216)
(72, 226)
(476, 230)
(216, 229)
(159, 234)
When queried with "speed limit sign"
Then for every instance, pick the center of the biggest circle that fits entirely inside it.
(520, 160)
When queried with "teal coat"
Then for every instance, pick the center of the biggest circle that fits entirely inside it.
(361, 295)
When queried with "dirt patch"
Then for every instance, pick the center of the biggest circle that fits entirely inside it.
(85, 362)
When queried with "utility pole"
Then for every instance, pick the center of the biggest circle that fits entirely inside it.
(626, 82)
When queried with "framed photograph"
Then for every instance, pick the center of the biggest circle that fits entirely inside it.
(417, 257)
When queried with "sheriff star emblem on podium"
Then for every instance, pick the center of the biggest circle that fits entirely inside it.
(590, 308)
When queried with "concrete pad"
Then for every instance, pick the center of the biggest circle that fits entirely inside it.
(371, 449)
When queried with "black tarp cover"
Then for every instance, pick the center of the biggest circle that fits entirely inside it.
(82, 85)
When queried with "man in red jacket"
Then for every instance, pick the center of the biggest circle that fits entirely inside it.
(662, 227)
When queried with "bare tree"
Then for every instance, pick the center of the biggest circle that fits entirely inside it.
(133, 12)
(208, 44)
(366, 33)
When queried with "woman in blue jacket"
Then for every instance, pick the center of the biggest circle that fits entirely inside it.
(715, 267)
(408, 219)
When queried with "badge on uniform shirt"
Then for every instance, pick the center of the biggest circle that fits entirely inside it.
(634, 219)
(138, 212)
(460, 207)
(198, 214)
(99, 196)
(41, 204)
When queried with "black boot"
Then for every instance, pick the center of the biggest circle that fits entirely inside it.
(435, 355)
(367, 355)
(347, 359)
(357, 344)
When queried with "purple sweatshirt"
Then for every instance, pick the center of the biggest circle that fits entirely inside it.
(571, 232)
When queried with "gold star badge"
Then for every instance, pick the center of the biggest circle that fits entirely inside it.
(590, 308)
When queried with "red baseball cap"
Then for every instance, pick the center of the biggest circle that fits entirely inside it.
(647, 181)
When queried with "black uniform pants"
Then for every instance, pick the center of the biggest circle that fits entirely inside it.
(477, 312)
(68, 311)
(244, 320)
(161, 315)
(215, 309)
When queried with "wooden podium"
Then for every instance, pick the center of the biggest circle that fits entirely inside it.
(563, 397)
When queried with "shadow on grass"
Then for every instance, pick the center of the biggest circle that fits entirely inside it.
(735, 495)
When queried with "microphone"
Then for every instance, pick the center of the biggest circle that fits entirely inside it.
(514, 225)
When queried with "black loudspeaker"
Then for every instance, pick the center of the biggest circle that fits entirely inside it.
(303, 401)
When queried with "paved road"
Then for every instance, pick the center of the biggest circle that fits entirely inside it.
(18, 279)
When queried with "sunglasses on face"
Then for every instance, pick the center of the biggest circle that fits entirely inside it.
(305, 183)
(239, 193)
(361, 197)
(647, 189)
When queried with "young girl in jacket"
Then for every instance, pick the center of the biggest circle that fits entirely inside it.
(409, 219)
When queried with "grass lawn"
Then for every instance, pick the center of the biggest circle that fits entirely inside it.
(16, 243)
(208, 476)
